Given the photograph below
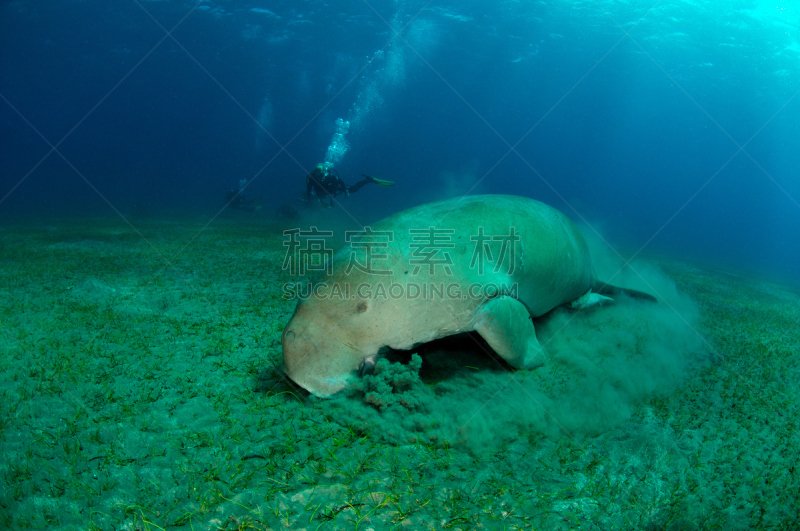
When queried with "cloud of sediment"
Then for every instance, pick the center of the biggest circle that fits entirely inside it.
(601, 363)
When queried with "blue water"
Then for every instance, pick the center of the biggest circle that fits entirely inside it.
(672, 126)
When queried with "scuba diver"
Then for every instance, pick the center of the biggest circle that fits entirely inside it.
(324, 182)
(237, 199)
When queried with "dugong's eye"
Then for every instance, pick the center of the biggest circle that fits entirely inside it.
(361, 307)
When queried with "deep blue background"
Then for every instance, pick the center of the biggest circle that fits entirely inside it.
(638, 133)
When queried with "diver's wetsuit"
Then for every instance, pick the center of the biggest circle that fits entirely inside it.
(328, 184)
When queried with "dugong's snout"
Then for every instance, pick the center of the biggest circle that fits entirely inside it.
(322, 369)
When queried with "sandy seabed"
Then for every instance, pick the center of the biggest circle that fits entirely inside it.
(141, 389)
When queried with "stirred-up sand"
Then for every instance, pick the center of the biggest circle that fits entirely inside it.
(141, 389)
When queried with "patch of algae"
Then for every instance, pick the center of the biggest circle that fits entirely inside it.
(395, 386)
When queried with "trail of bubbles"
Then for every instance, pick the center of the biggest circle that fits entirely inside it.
(339, 144)
(386, 69)
(264, 119)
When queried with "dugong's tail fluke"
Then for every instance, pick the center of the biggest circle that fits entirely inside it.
(613, 291)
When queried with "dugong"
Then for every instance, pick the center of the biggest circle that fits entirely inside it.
(487, 263)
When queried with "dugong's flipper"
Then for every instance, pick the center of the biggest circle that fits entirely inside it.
(589, 299)
(506, 325)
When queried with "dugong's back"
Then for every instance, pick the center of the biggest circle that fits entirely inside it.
(551, 264)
